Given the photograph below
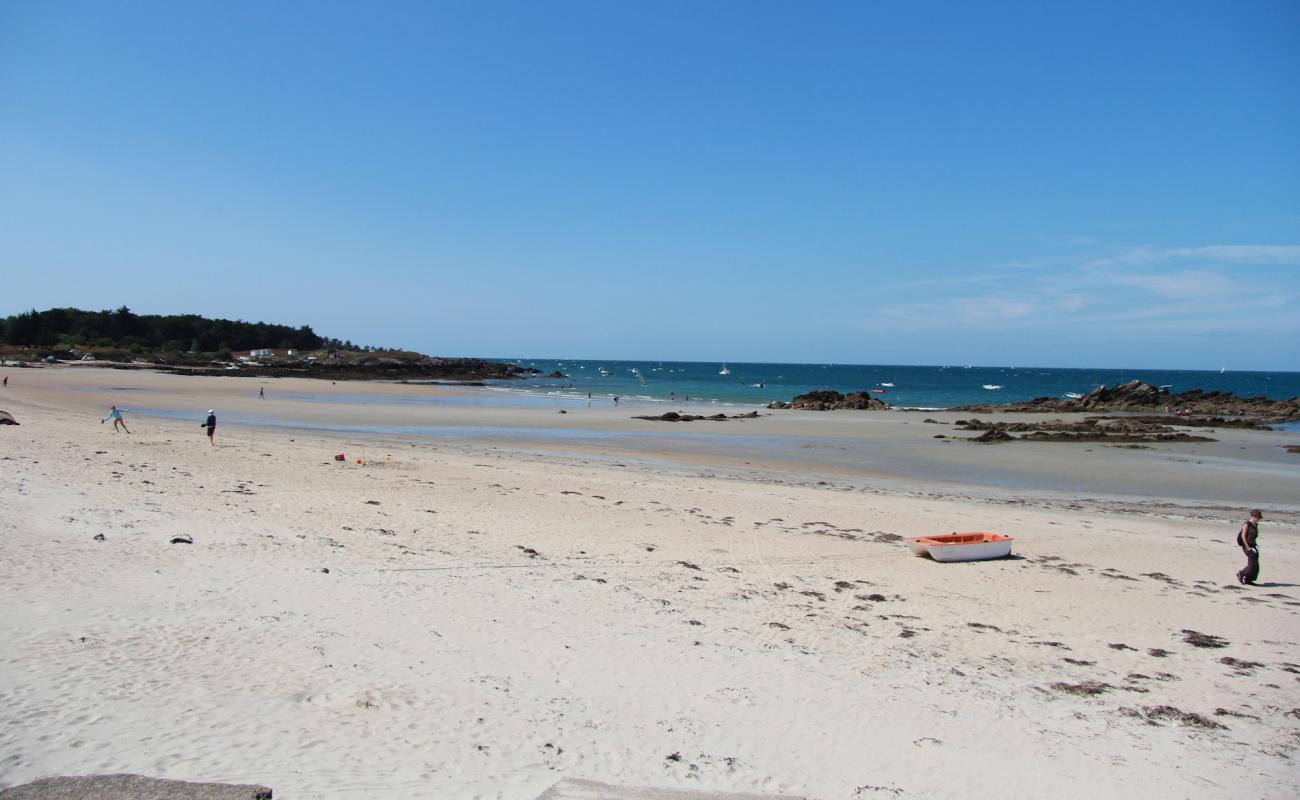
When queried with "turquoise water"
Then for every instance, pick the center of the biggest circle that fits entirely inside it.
(755, 384)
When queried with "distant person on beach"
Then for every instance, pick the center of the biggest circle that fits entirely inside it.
(211, 424)
(615, 399)
(115, 414)
(6, 381)
(1248, 541)
(261, 392)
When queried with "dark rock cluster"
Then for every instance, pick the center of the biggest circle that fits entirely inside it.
(674, 416)
(1138, 396)
(376, 367)
(830, 400)
(1092, 429)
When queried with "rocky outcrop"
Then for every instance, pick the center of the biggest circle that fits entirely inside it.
(830, 400)
(674, 416)
(375, 368)
(130, 787)
(1092, 429)
(1194, 422)
(1138, 396)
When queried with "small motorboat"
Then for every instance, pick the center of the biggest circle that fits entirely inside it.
(1073, 396)
(887, 385)
(992, 386)
(877, 391)
(961, 546)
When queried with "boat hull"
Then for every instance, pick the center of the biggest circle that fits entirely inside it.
(961, 546)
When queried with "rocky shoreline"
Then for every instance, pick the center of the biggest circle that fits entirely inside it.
(1138, 396)
(383, 368)
(833, 401)
(1093, 429)
(373, 368)
(675, 416)
(1194, 408)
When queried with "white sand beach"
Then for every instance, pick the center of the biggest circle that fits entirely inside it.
(467, 616)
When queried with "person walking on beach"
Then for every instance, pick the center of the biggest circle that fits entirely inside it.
(211, 424)
(261, 392)
(6, 381)
(115, 414)
(1248, 541)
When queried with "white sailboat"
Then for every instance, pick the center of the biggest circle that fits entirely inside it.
(724, 370)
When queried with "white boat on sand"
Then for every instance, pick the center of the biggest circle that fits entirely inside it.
(961, 546)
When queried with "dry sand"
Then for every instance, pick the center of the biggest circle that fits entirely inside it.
(498, 616)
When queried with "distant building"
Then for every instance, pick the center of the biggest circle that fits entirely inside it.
(260, 353)
(293, 352)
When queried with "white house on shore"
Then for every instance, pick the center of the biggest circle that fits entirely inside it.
(260, 353)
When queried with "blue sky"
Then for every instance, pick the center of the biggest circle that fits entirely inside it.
(1093, 184)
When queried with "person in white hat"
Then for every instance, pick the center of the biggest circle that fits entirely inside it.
(211, 424)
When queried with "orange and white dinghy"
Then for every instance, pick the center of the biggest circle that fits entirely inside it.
(961, 546)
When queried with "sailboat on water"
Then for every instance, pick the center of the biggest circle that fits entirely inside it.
(724, 370)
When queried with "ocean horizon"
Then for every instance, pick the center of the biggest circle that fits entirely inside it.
(900, 385)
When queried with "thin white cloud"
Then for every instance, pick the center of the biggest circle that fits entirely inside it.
(1075, 302)
(1190, 291)
(1264, 254)
(1180, 285)
(992, 310)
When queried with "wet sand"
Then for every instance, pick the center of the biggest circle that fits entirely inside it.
(1243, 468)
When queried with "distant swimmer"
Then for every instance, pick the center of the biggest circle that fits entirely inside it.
(211, 424)
(115, 414)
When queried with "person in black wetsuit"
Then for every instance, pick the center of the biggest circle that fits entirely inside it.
(211, 424)
(1248, 541)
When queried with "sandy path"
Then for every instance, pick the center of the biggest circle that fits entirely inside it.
(672, 625)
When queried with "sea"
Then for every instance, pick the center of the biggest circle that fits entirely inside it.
(924, 387)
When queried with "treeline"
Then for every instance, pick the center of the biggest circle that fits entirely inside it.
(125, 330)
